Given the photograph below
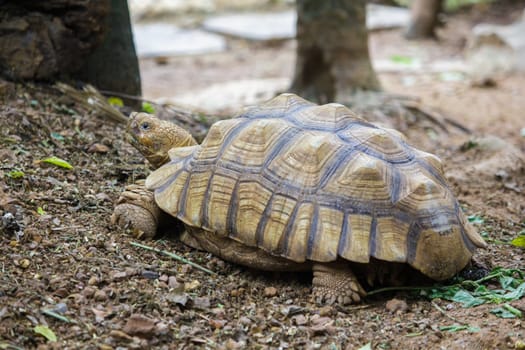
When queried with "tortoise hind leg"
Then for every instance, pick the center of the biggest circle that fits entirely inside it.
(335, 282)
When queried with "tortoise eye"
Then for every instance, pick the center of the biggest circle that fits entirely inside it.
(145, 126)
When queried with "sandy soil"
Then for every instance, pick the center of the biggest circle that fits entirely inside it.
(105, 293)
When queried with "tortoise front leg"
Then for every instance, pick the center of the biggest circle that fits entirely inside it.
(136, 209)
(335, 282)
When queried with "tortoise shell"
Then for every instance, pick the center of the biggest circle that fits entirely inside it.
(309, 182)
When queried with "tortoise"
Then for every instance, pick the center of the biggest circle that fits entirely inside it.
(292, 186)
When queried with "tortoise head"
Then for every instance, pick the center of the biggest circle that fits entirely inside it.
(154, 137)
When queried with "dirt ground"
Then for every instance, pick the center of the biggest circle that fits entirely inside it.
(75, 274)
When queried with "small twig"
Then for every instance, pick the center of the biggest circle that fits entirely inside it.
(444, 313)
(196, 314)
(436, 117)
(173, 256)
(431, 115)
(9, 346)
(92, 99)
(128, 96)
(57, 316)
(350, 309)
(399, 288)
(202, 316)
(458, 125)
(62, 228)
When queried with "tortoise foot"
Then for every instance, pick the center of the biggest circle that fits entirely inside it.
(336, 283)
(136, 209)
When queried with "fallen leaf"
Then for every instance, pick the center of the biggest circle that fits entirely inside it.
(46, 332)
(115, 101)
(148, 108)
(57, 162)
(518, 242)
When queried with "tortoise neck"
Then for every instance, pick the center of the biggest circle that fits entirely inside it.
(177, 137)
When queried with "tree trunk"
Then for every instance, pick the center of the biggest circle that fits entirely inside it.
(423, 19)
(45, 40)
(332, 50)
(113, 65)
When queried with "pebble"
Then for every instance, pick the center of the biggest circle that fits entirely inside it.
(321, 320)
(98, 148)
(300, 320)
(119, 276)
(151, 275)
(100, 295)
(179, 299)
(323, 328)
(270, 292)
(192, 285)
(103, 197)
(119, 334)
(501, 175)
(93, 280)
(161, 328)
(88, 292)
(218, 312)
(202, 303)
(237, 292)
(233, 345)
(163, 278)
(245, 321)
(24, 263)
(396, 306)
(77, 298)
(217, 324)
(60, 308)
(140, 325)
(185, 269)
(61, 292)
(292, 310)
(174, 284)
(326, 310)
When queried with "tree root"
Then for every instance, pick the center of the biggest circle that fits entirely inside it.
(401, 112)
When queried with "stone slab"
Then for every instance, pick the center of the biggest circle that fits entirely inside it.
(254, 26)
(231, 95)
(281, 25)
(163, 39)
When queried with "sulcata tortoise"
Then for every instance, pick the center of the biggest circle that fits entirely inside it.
(290, 185)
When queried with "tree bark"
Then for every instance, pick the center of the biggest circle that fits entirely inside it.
(114, 65)
(45, 40)
(332, 50)
(423, 19)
